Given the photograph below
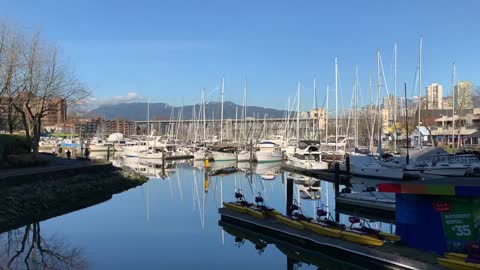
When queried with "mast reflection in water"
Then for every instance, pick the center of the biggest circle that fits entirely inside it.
(171, 221)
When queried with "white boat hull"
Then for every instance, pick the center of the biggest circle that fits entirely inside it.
(129, 152)
(199, 155)
(224, 156)
(150, 155)
(269, 156)
(442, 171)
(367, 166)
(244, 156)
(99, 148)
(309, 164)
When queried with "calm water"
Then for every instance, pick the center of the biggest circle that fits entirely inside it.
(172, 222)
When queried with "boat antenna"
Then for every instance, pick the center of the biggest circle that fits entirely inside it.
(406, 120)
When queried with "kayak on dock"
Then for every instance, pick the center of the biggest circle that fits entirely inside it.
(260, 209)
(289, 221)
(462, 261)
(239, 205)
(457, 264)
(366, 228)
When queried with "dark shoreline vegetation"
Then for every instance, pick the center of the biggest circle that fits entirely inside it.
(32, 198)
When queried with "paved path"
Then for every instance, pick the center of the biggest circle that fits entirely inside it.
(54, 164)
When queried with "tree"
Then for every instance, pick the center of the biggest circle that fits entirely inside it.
(34, 83)
(27, 246)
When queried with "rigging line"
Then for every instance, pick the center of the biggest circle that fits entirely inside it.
(385, 81)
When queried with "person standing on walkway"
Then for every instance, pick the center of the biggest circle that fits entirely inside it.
(54, 150)
(68, 153)
(87, 152)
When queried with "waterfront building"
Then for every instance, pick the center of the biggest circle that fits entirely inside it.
(434, 96)
(55, 114)
(100, 127)
(320, 115)
(463, 95)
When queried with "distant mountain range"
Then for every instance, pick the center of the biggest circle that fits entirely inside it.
(163, 111)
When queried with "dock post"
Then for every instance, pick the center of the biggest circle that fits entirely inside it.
(337, 180)
(290, 263)
(108, 153)
(347, 164)
(163, 162)
(337, 188)
(289, 196)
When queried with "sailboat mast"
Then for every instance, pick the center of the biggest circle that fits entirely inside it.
(379, 143)
(221, 113)
(356, 107)
(453, 104)
(370, 111)
(336, 105)
(326, 116)
(245, 111)
(148, 116)
(419, 90)
(236, 121)
(314, 107)
(395, 97)
(204, 117)
(298, 112)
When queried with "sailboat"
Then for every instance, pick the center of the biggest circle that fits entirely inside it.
(245, 155)
(201, 153)
(374, 166)
(223, 152)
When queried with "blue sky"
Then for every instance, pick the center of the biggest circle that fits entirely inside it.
(170, 50)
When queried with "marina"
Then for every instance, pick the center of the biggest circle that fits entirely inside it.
(239, 135)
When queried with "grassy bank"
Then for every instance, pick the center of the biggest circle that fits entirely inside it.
(35, 201)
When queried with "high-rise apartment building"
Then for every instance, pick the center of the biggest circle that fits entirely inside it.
(434, 97)
(463, 95)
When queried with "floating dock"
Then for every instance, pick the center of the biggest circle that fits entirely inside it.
(179, 157)
(319, 174)
(372, 209)
(390, 256)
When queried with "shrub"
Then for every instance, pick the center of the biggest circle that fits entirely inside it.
(13, 144)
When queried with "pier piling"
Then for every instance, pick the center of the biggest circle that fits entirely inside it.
(337, 180)
(289, 196)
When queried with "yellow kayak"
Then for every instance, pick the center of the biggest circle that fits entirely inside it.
(255, 213)
(389, 236)
(289, 222)
(320, 229)
(362, 239)
(457, 264)
(455, 256)
(235, 207)
(273, 213)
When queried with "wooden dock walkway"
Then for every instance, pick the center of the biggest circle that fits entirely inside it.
(390, 255)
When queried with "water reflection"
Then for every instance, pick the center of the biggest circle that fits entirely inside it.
(26, 248)
(296, 255)
(176, 213)
(268, 170)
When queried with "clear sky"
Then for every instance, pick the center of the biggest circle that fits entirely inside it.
(170, 50)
